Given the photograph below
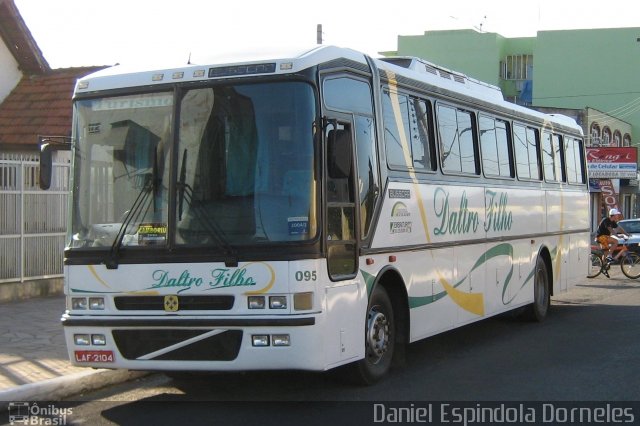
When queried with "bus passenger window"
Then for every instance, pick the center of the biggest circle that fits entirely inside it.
(407, 133)
(526, 145)
(396, 128)
(552, 157)
(421, 141)
(496, 154)
(457, 147)
(574, 160)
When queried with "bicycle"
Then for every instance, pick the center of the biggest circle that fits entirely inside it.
(629, 262)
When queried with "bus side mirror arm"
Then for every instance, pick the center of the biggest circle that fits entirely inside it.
(47, 146)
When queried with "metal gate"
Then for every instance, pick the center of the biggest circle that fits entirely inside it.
(33, 222)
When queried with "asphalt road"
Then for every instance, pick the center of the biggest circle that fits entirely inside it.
(588, 349)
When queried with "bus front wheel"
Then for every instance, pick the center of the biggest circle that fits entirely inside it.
(380, 338)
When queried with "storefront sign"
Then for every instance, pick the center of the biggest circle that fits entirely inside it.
(609, 195)
(612, 162)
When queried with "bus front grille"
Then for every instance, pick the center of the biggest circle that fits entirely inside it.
(149, 344)
(185, 303)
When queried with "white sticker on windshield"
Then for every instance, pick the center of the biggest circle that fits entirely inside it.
(298, 225)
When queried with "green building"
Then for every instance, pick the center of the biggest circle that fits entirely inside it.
(592, 75)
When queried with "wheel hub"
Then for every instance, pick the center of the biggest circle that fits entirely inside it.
(377, 334)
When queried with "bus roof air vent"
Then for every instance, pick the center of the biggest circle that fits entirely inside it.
(430, 69)
(403, 62)
(425, 67)
(444, 74)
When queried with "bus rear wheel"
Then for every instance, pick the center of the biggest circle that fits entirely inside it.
(380, 339)
(537, 311)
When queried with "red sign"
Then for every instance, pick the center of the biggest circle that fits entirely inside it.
(612, 162)
(609, 195)
(94, 356)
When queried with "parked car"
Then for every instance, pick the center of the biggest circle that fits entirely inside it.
(632, 227)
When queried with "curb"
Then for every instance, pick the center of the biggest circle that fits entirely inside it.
(65, 386)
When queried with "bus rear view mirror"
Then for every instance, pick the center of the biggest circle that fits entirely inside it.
(48, 144)
(46, 165)
(339, 154)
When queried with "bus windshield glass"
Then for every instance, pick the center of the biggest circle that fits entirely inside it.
(244, 167)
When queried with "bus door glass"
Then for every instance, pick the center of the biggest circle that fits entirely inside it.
(340, 196)
(352, 98)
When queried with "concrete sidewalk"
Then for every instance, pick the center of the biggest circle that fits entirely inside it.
(34, 365)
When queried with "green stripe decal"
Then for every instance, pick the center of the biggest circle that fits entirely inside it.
(503, 249)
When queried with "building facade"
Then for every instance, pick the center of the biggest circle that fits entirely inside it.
(35, 106)
(589, 74)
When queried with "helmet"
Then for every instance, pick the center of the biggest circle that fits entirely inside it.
(614, 212)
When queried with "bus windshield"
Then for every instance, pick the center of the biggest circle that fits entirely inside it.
(244, 167)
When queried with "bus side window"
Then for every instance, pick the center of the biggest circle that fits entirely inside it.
(407, 132)
(574, 160)
(552, 157)
(526, 146)
(496, 152)
(457, 142)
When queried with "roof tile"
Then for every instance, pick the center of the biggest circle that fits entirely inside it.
(40, 105)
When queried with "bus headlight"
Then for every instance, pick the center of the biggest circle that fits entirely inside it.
(78, 303)
(280, 340)
(277, 302)
(96, 303)
(81, 339)
(98, 340)
(260, 340)
(256, 302)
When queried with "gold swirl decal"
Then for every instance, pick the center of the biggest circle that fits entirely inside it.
(93, 271)
(269, 285)
(472, 302)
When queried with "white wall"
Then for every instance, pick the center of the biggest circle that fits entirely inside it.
(10, 75)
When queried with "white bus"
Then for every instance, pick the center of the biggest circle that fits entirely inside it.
(311, 210)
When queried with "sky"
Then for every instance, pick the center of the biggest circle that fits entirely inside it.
(105, 32)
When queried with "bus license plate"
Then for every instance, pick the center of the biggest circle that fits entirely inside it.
(94, 356)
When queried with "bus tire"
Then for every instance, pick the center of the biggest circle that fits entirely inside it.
(537, 311)
(380, 339)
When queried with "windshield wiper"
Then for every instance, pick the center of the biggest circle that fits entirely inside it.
(212, 228)
(134, 213)
(152, 185)
(181, 184)
(185, 192)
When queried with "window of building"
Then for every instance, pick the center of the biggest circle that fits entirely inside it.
(626, 140)
(595, 134)
(517, 67)
(606, 136)
(617, 138)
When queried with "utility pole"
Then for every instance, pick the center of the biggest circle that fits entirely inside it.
(319, 34)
